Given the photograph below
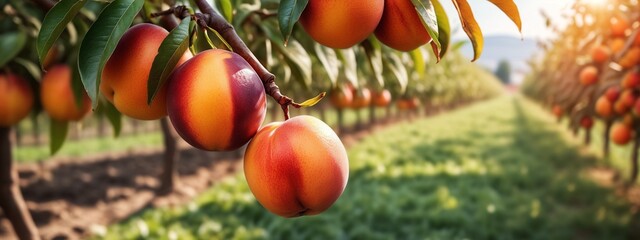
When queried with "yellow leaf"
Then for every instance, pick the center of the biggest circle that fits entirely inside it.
(313, 101)
(509, 8)
(470, 26)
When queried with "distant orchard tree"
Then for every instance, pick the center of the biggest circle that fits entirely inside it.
(503, 71)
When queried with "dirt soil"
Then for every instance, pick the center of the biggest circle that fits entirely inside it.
(71, 198)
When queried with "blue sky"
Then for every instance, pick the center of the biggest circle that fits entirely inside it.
(494, 22)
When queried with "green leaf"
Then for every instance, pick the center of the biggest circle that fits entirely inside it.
(54, 23)
(313, 101)
(511, 10)
(470, 26)
(200, 42)
(31, 67)
(329, 60)
(430, 21)
(289, 12)
(444, 27)
(349, 65)
(101, 40)
(76, 88)
(57, 134)
(374, 58)
(11, 44)
(114, 117)
(226, 9)
(399, 70)
(295, 55)
(171, 50)
(419, 61)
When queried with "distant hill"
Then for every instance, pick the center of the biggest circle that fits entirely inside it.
(515, 50)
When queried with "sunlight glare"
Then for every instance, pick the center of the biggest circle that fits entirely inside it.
(595, 2)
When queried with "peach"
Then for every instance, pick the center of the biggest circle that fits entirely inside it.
(401, 27)
(296, 167)
(600, 54)
(557, 111)
(341, 24)
(361, 98)
(631, 80)
(16, 99)
(408, 103)
(586, 122)
(125, 76)
(604, 107)
(57, 96)
(216, 101)
(381, 98)
(630, 58)
(612, 93)
(589, 75)
(616, 45)
(341, 97)
(619, 27)
(621, 133)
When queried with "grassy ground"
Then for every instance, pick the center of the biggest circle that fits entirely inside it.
(497, 170)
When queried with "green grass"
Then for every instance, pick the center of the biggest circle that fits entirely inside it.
(92, 146)
(497, 170)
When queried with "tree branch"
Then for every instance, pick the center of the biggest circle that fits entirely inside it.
(214, 20)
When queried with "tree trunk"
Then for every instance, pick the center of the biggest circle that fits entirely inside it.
(606, 142)
(35, 130)
(587, 136)
(372, 115)
(102, 132)
(634, 162)
(169, 177)
(11, 201)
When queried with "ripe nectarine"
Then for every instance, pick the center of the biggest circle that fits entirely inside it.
(296, 167)
(586, 122)
(631, 80)
(216, 101)
(16, 99)
(341, 24)
(125, 76)
(57, 96)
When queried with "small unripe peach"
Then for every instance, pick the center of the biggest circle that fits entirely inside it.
(341, 97)
(361, 98)
(296, 167)
(401, 27)
(125, 76)
(382, 98)
(604, 107)
(57, 96)
(621, 133)
(341, 24)
(589, 75)
(216, 101)
(16, 99)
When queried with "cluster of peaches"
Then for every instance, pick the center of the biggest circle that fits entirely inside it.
(216, 102)
(347, 96)
(343, 24)
(620, 100)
